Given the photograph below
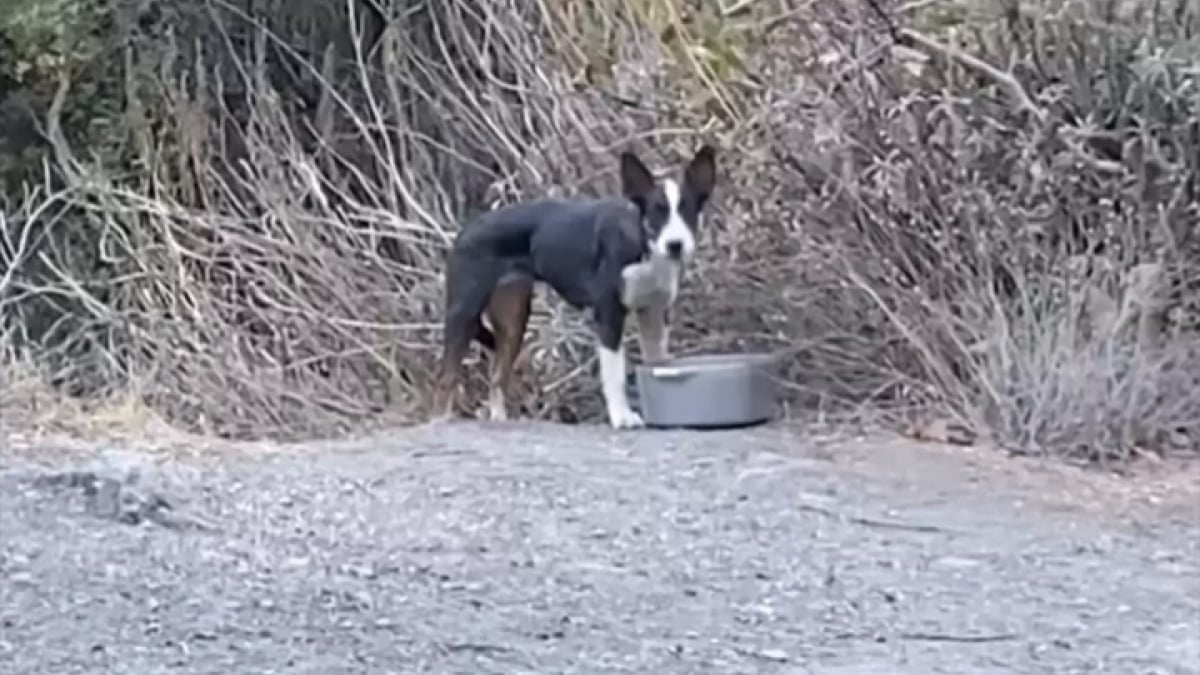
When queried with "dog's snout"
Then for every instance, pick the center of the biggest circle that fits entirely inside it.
(675, 249)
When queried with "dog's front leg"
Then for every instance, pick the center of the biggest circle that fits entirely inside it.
(653, 333)
(609, 326)
(612, 377)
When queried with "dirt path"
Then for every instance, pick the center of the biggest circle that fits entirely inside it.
(525, 548)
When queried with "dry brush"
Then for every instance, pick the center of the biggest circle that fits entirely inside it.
(986, 213)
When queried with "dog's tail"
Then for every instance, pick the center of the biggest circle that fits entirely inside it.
(485, 337)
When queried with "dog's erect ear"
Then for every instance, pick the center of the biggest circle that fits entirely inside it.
(701, 173)
(636, 179)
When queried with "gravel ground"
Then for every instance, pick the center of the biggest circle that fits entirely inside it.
(531, 548)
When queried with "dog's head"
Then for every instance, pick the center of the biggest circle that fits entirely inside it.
(670, 209)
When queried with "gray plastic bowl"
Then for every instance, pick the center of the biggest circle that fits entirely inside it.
(707, 391)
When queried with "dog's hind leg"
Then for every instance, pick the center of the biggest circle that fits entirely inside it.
(456, 340)
(469, 285)
(508, 312)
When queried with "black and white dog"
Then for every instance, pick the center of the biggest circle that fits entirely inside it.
(580, 248)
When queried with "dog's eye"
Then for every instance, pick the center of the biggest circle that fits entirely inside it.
(661, 211)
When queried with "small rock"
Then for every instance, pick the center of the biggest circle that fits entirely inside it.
(777, 655)
(104, 498)
(21, 579)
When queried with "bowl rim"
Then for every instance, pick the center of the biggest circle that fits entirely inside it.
(711, 361)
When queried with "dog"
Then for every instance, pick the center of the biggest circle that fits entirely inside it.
(581, 248)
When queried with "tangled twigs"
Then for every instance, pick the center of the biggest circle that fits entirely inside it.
(1021, 98)
(909, 38)
(266, 258)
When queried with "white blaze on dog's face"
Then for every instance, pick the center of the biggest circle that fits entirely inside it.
(676, 238)
(671, 211)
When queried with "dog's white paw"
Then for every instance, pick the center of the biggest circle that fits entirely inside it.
(625, 419)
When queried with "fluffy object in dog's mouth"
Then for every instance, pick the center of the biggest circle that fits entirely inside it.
(650, 283)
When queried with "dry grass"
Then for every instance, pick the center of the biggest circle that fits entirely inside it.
(994, 221)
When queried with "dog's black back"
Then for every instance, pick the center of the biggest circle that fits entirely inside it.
(577, 247)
